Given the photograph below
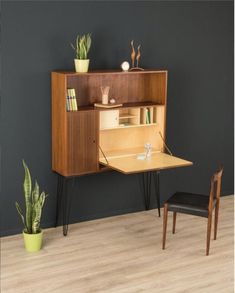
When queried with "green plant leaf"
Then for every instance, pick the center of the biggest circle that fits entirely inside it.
(21, 214)
(77, 41)
(72, 46)
(88, 42)
(37, 213)
(77, 47)
(28, 199)
(33, 202)
(84, 51)
(82, 46)
(36, 217)
(27, 182)
(81, 55)
(35, 193)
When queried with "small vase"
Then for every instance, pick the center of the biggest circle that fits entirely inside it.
(105, 94)
(32, 242)
(81, 65)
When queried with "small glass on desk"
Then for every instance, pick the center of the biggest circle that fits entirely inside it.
(148, 150)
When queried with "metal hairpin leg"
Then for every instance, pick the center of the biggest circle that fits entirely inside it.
(64, 200)
(145, 185)
(65, 207)
(157, 190)
(59, 198)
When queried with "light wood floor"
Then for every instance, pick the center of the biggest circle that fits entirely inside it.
(123, 254)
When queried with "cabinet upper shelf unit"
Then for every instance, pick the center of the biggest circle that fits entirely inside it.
(125, 87)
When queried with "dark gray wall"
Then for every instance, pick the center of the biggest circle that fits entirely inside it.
(193, 40)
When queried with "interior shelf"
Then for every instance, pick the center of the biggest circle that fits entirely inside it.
(127, 116)
(130, 117)
(125, 106)
(129, 126)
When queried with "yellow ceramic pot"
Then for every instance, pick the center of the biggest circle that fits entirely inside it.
(81, 65)
(33, 242)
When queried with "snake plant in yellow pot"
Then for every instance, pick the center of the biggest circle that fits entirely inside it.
(82, 47)
(34, 201)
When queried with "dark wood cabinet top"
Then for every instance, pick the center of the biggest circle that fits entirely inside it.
(110, 71)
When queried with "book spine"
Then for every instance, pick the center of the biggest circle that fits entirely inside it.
(143, 116)
(68, 101)
(151, 115)
(75, 106)
(71, 98)
(147, 116)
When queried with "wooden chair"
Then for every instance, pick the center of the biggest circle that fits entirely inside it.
(195, 204)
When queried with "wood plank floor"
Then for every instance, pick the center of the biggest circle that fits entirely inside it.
(123, 254)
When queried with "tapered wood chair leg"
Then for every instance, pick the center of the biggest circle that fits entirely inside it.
(216, 218)
(164, 225)
(208, 234)
(174, 222)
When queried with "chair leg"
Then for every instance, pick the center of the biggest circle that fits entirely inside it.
(174, 222)
(208, 234)
(216, 218)
(164, 225)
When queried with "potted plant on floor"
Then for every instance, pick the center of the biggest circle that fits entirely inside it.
(81, 48)
(34, 201)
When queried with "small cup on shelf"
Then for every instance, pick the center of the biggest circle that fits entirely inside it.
(105, 94)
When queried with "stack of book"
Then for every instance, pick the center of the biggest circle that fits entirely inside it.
(147, 115)
(71, 101)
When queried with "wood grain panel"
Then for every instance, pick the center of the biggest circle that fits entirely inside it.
(135, 137)
(125, 88)
(161, 122)
(157, 161)
(59, 122)
(82, 142)
(124, 138)
(156, 87)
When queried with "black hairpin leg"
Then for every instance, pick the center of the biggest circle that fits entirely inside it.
(145, 185)
(59, 198)
(64, 201)
(66, 206)
(157, 190)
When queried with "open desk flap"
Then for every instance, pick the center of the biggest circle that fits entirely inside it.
(131, 164)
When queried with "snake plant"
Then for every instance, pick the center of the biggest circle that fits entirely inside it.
(82, 46)
(34, 202)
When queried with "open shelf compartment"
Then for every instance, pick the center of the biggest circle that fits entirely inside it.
(131, 117)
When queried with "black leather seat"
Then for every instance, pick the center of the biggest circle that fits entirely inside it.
(189, 203)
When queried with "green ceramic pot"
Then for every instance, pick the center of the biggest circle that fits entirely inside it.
(32, 242)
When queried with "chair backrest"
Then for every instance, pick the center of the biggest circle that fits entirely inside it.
(215, 187)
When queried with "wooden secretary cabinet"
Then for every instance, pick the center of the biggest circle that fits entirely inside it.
(77, 137)
(84, 141)
(91, 139)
